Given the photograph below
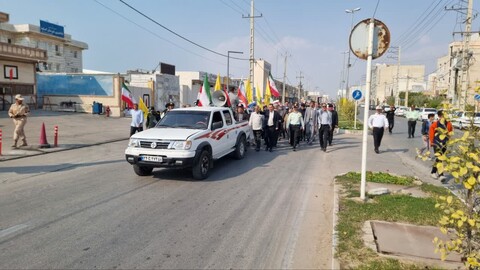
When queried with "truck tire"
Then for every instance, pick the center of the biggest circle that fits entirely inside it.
(201, 168)
(240, 148)
(142, 170)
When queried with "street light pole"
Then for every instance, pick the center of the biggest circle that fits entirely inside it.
(351, 11)
(228, 65)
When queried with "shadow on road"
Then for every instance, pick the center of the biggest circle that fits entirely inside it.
(54, 168)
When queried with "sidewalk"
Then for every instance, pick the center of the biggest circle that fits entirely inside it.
(74, 130)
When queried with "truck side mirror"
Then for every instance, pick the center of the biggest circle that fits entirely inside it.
(217, 125)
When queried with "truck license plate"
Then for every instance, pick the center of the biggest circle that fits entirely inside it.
(152, 158)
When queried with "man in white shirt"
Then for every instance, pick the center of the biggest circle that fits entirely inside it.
(137, 120)
(377, 122)
(324, 126)
(256, 123)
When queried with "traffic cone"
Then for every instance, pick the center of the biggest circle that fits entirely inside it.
(43, 138)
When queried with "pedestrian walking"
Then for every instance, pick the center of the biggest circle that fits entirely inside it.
(270, 125)
(256, 124)
(19, 112)
(296, 125)
(302, 110)
(378, 123)
(324, 123)
(137, 120)
(439, 134)
(331, 108)
(412, 117)
(391, 118)
(425, 133)
(152, 118)
(241, 115)
(311, 114)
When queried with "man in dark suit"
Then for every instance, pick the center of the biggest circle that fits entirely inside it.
(331, 108)
(271, 125)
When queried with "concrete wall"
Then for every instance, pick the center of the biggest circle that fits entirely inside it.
(26, 72)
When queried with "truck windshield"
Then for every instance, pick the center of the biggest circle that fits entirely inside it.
(185, 119)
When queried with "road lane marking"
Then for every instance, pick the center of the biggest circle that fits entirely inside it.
(13, 229)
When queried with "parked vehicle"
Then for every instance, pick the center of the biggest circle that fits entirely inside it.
(424, 112)
(400, 110)
(463, 120)
(188, 138)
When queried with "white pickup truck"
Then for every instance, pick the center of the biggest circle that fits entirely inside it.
(188, 138)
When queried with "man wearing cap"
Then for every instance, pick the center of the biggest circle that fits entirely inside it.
(378, 122)
(296, 125)
(169, 106)
(19, 112)
(324, 126)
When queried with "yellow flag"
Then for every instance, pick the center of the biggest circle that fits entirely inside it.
(248, 89)
(267, 95)
(142, 107)
(218, 86)
(259, 95)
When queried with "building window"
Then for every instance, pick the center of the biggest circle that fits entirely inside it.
(75, 54)
(57, 67)
(9, 41)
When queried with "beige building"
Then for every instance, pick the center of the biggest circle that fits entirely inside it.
(63, 53)
(449, 71)
(390, 80)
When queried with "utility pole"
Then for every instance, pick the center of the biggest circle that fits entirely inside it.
(284, 78)
(406, 90)
(252, 17)
(460, 97)
(300, 86)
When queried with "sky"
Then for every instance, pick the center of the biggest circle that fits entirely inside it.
(314, 34)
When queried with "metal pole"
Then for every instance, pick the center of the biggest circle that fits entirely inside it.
(367, 104)
(397, 98)
(284, 79)
(355, 123)
(347, 90)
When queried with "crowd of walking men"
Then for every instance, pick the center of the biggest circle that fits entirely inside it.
(295, 122)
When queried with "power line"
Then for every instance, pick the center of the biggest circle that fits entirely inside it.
(155, 34)
(176, 34)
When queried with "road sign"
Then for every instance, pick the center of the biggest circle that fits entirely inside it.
(477, 97)
(359, 39)
(357, 94)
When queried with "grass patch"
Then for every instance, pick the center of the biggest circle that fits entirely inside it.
(378, 177)
(349, 124)
(352, 215)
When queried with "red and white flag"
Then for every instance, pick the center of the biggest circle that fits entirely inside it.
(242, 96)
(273, 87)
(127, 95)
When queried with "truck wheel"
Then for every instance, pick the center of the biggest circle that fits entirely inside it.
(142, 170)
(201, 168)
(240, 148)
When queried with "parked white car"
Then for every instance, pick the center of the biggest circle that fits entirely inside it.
(424, 112)
(400, 111)
(463, 120)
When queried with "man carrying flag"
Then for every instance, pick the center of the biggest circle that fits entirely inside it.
(204, 96)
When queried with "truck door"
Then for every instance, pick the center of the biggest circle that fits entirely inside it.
(218, 138)
(232, 133)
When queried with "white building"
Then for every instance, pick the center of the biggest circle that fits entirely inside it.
(63, 53)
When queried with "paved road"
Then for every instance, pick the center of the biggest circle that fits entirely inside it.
(85, 208)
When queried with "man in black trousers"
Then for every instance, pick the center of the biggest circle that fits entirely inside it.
(331, 108)
(378, 123)
(271, 125)
(391, 118)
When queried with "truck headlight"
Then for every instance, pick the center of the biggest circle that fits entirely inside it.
(134, 143)
(181, 145)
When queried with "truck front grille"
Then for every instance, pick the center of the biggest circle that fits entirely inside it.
(154, 144)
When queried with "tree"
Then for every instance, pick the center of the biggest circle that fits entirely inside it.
(460, 221)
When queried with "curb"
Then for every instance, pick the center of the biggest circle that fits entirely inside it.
(350, 131)
(40, 152)
(336, 208)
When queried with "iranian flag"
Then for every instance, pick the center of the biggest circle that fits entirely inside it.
(204, 97)
(127, 96)
(273, 88)
(242, 97)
